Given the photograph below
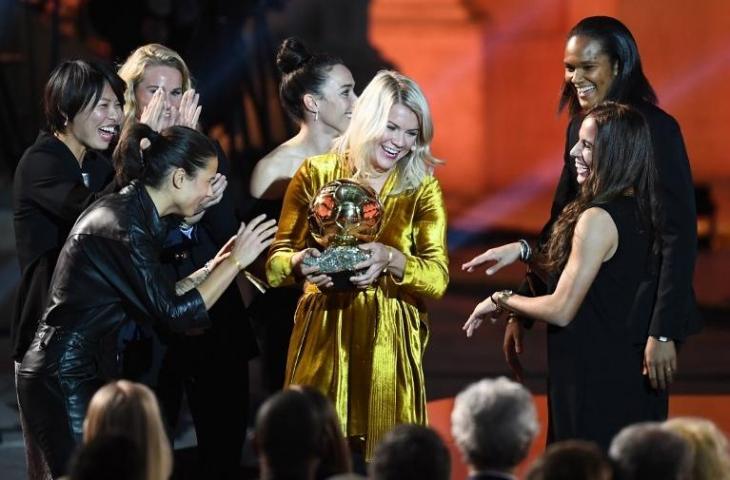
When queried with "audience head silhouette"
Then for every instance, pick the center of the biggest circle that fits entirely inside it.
(130, 410)
(411, 452)
(494, 422)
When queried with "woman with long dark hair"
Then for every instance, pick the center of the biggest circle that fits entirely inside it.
(317, 92)
(603, 247)
(602, 62)
(109, 274)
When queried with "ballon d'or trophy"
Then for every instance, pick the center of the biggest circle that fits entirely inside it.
(342, 215)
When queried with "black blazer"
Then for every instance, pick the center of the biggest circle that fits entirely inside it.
(675, 312)
(48, 196)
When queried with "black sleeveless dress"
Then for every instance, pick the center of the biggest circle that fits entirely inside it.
(595, 381)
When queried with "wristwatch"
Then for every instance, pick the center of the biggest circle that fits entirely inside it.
(663, 339)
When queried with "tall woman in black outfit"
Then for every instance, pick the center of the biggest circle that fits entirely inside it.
(603, 246)
(109, 274)
(55, 180)
(160, 92)
(602, 63)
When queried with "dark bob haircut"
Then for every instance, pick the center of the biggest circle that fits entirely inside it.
(74, 85)
(630, 86)
(174, 147)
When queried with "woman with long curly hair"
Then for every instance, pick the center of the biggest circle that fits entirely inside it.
(603, 249)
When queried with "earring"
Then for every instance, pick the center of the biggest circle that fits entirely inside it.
(413, 148)
(316, 115)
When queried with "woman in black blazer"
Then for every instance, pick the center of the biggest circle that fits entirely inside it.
(601, 63)
(55, 180)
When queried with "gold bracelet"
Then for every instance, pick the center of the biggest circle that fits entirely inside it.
(502, 297)
(239, 267)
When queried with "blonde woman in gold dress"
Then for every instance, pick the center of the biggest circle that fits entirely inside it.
(363, 348)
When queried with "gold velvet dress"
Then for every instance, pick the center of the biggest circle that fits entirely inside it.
(364, 348)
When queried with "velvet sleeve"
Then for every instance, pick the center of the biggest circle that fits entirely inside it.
(293, 230)
(426, 270)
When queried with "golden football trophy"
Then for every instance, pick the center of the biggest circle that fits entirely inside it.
(342, 215)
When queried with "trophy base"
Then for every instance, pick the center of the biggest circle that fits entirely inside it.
(341, 280)
(339, 263)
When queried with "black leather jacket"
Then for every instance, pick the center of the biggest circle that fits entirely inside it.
(109, 273)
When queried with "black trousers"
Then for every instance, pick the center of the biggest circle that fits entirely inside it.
(215, 382)
(55, 386)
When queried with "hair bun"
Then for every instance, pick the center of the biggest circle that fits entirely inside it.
(292, 54)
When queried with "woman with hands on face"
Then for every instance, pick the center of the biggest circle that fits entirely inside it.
(604, 248)
(363, 347)
(159, 93)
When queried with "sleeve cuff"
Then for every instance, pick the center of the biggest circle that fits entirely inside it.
(279, 269)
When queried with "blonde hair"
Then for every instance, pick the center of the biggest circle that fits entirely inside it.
(711, 458)
(132, 72)
(130, 409)
(357, 146)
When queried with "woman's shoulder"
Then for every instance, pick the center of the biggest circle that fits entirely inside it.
(429, 185)
(110, 217)
(274, 164)
(595, 217)
(47, 155)
(657, 118)
(323, 162)
(322, 168)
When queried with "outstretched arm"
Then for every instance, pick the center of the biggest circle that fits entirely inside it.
(594, 241)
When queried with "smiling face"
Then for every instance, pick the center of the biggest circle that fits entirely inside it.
(95, 126)
(588, 70)
(401, 133)
(337, 98)
(582, 152)
(191, 190)
(155, 77)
